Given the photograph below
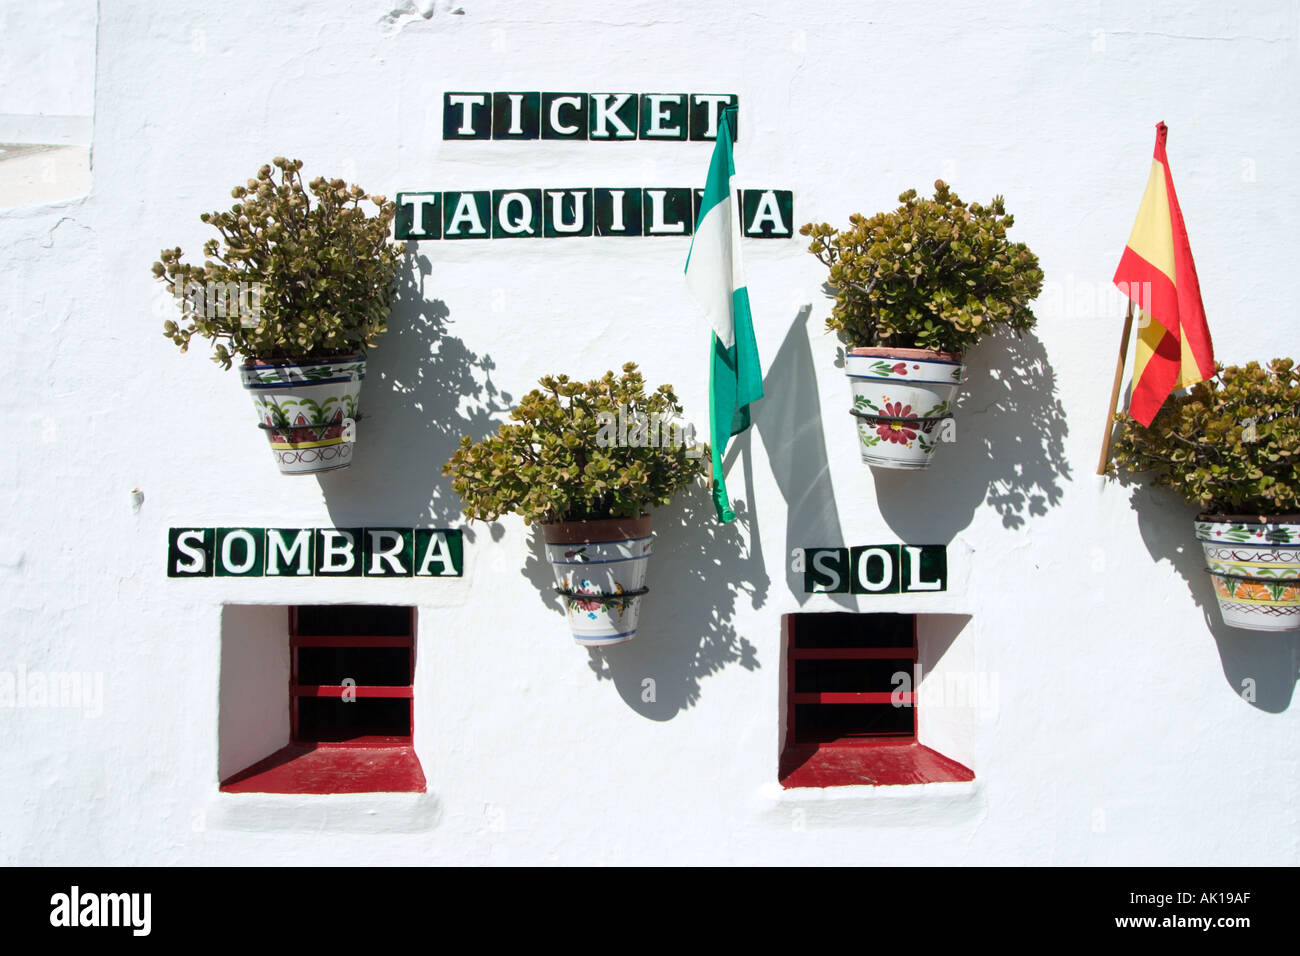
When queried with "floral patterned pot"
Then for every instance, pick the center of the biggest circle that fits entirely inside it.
(600, 570)
(1254, 562)
(307, 409)
(902, 399)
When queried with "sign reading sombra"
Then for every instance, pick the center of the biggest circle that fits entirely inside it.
(318, 552)
(560, 213)
(873, 569)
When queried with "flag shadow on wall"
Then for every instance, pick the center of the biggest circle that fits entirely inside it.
(699, 572)
(1260, 668)
(790, 423)
(424, 389)
(1009, 428)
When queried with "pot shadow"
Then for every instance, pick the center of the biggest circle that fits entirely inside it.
(424, 389)
(699, 571)
(789, 420)
(1261, 668)
(1009, 451)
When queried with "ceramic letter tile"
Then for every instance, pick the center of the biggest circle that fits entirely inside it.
(189, 553)
(564, 115)
(239, 552)
(516, 213)
(767, 213)
(617, 211)
(419, 216)
(466, 115)
(515, 115)
(663, 116)
(567, 212)
(706, 110)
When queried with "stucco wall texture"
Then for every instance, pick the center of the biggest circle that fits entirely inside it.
(1119, 721)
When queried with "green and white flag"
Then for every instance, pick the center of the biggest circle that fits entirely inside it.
(716, 278)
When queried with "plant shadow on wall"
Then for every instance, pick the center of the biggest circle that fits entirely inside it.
(1259, 667)
(1228, 448)
(1009, 452)
(610, 479)
(435, 390)
(701, 570)
(925, 295)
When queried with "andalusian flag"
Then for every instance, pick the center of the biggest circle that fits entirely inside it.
(716, 279)
(1158, 275)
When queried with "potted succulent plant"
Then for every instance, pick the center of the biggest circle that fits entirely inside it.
(1231, 446)
(914, 288)
(298, 286)
(585, 461)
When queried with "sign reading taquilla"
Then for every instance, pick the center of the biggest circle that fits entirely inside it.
(319, 552)
(873, 569)
(588, 211)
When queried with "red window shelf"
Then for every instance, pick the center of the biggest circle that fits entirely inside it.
(845, 723)
(345, 737)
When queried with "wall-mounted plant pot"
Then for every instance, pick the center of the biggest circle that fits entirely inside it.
(308, 410)
(901, 401)
(1254, 562)
(600, 572)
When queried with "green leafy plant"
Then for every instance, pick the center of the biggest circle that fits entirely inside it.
(1230, 445)
(933, 274)
(577, 451)
(314, 269)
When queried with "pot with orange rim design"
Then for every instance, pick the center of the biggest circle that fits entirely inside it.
(1254, 562)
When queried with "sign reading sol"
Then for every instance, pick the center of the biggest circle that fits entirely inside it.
(873, 569)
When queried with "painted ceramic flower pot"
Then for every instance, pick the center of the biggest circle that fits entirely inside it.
(600, 570)
(308, 410)
(902, 399)
(1254, 563)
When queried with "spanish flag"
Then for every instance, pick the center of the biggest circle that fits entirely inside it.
(1157, 273)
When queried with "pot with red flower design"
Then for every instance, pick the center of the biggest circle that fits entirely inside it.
(307, 409)
(902, 401)
(1254, 562)
(600, 573)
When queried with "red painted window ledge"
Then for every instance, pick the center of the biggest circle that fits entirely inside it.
(376, 767)
(844, 763)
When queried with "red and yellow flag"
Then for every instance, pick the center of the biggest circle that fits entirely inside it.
(1157, 273)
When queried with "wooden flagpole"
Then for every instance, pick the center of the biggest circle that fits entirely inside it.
(1114, 390)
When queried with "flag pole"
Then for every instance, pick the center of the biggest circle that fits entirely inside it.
(1114, 389)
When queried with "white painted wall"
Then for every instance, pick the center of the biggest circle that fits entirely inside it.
(1120, 735)
(253, 717)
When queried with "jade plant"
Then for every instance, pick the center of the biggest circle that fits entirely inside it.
(1230, 445)
(577, 451)
(302, 271)
(933, 274)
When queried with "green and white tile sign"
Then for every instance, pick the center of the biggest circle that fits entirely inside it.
(873, 569)
(538, 212)
(596, 117)
(314, 552)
